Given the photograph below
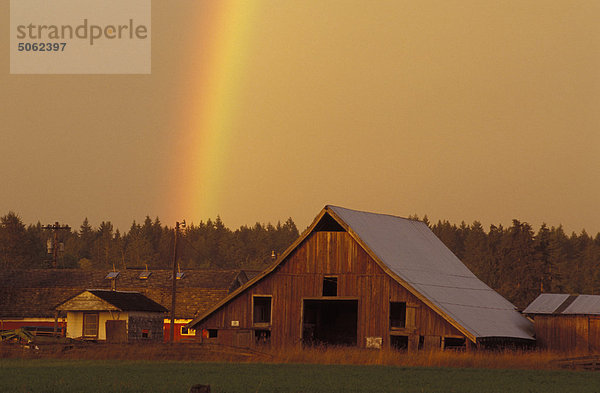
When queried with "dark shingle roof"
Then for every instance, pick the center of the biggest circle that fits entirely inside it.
(35, 292)
(128, 301)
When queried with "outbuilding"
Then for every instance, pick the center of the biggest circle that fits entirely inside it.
(28, 297)
(113, 316)
(367, 280)
(569, 323)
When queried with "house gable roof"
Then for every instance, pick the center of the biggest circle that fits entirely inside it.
(411, 254)
(128, 301)
(563, 304)
(102, 299)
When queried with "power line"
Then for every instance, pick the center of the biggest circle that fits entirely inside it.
(55, 247)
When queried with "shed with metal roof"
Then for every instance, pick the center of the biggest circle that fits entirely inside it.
(569, 323)
(370, 280)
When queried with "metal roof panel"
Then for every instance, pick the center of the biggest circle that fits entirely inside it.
(546, 303)
(413, 252)
(584, 304)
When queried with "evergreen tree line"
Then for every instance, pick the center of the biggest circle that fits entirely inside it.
(520, 263)
(516, 261)
(208, 245)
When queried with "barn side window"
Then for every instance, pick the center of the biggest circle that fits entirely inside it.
(399, 342)
(457, 343)
(262, 310)
(397, 314)
(330, 286)
(210, 333)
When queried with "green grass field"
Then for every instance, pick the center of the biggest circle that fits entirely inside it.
(27, 375)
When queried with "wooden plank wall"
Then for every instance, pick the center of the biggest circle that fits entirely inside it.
(594, 334)
(301, 275)
(568, 333)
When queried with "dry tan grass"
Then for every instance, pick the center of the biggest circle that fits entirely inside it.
(319, 355)
(475, 359)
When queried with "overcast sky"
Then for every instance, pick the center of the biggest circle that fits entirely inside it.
(462, 110)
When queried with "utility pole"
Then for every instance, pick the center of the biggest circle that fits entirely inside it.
(55, 228)
(174, 289)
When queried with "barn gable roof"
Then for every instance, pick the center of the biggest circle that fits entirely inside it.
(410, 253)
(563, 304)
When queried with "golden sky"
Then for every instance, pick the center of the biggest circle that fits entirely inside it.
(462, 110)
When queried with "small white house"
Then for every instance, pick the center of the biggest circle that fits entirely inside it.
(113, 316)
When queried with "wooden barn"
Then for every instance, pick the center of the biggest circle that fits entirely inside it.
(569, 323)
(367, 280)
(28, 297)
(113, 316)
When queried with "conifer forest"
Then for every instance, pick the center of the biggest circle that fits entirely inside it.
(518, 261)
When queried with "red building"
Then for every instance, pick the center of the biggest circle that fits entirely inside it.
(29, 297)
(367, 280)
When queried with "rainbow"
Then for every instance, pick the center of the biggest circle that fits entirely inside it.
(220, 46)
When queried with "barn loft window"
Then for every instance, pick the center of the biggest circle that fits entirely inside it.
(90, 324)
(397, 315)
(330, 286)
(261, 310)
(328, 224)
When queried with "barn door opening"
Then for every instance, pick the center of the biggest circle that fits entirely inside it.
(330, 322)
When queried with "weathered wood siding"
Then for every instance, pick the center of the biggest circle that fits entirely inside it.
(149, 322)
(300, 276)
(568, 333)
